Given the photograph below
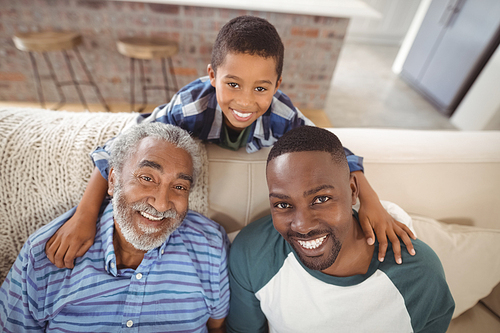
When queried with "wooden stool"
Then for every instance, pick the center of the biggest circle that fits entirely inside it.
(44, 42)
(143, 48)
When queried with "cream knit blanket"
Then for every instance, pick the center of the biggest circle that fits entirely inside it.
(45, 166)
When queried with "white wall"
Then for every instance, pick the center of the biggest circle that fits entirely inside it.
(397, 16)
(480, 108)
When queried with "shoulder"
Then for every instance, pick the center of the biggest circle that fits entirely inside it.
(35, 245)
(257, 253)
(256, 238)
(426, 257)
(196, 90)
(199, 229)
(282, 106)
(421, 280)
(424, 266)
(283, 110)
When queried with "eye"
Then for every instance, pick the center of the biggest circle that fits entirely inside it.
(181, 188)
(261, 89)
(321, 199)
(233, 85)
(282, 205)
(146, 178)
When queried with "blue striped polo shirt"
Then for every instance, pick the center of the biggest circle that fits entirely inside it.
(176, 288)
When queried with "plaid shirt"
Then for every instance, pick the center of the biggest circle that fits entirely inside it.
(195, 109)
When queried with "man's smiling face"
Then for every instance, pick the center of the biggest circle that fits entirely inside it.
(245, 85)
(311, 199)
(150, 194)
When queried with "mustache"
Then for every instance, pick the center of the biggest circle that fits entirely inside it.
(309, 235)
(144, 207)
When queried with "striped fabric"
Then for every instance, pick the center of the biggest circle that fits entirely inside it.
(195, 109)
(176, 288)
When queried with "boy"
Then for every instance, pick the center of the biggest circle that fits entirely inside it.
(237, 105)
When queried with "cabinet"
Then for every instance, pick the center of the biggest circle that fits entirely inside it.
(454, 42)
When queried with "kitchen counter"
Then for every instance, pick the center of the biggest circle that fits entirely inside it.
(329, 8)
(312, 32)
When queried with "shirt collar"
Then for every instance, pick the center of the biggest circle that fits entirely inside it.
(107, 227)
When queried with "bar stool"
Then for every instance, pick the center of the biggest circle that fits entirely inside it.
(144, 48)
(44, 42)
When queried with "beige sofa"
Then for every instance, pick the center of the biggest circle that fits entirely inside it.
(448, 181)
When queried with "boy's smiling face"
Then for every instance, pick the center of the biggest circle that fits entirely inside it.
(245, 85)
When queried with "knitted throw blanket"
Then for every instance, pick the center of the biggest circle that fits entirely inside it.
(45, 166)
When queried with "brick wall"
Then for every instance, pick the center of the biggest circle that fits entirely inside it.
(312, 45)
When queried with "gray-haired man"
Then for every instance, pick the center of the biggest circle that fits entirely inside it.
(154, 266)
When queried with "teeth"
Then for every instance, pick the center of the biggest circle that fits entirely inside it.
(242, 114)
(312, 244)
(151, 217)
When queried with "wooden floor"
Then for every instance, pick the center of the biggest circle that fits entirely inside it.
(318, 117)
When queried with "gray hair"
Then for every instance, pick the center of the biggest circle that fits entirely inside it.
(122, 148)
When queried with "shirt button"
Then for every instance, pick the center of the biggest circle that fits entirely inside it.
(112, 265)
(130, 323)
(138, 276)
(162, 251)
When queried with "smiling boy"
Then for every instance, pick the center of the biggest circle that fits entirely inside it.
(308, 268)
(238, 104)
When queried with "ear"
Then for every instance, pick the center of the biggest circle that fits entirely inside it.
(111, 181)
(211, 75)
(278, 84)
(353, 183)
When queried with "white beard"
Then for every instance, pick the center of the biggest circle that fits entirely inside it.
(142, 237)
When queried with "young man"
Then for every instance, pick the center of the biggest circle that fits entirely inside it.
(155, 266)
(237, 105)
(308, 268)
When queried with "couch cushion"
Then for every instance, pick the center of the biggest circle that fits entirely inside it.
(469, 256)
(477, 319)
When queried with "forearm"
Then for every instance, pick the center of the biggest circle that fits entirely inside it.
(366, 192)
(216, 325)
(93, 196)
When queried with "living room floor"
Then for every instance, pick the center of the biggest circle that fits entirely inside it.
(366, 93)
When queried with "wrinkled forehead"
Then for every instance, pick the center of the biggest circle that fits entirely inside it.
(159, 152)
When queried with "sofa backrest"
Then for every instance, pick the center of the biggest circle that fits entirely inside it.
(452, 176)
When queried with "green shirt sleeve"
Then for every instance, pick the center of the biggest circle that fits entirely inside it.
(253, 262)
(427, 295)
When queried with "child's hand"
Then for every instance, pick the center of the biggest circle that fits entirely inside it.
(72, 240)
(373, 216)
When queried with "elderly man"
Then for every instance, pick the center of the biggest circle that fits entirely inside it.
(307, 267)
(155, 266)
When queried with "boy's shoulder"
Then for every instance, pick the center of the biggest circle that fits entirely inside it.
(195, 90)
(283, 110)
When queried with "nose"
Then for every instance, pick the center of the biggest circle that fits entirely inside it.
(160, 199)
(245, 99)
(303, 221)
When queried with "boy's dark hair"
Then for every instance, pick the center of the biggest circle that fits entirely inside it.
(308, 138)
(249, 35)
